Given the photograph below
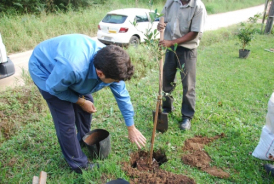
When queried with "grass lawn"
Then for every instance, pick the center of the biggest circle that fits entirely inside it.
(232, 97)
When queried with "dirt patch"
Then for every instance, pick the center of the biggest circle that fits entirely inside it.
(18, 107)
(197, 157)
(140, 172)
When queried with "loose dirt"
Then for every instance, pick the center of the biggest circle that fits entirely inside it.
(140, 172)
(197, 157)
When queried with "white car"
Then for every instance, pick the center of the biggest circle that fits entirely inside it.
(6, 65)
(117, 27)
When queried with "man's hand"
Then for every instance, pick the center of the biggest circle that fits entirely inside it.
(161, 27)
(166, 43)
(135, 136)
(86, 105)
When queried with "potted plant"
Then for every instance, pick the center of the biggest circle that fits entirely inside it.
(246, 34)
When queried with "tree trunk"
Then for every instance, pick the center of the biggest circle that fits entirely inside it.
(265, 9)
(270, 18)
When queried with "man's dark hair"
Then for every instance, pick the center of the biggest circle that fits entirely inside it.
(114, 62)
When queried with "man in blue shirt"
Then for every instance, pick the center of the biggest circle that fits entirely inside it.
(69, 67)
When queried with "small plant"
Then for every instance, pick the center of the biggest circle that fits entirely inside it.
(247, 31)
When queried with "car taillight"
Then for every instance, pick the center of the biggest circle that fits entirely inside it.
(123, 30)
(99, 27)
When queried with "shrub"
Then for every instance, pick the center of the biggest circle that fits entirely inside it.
(247, 31)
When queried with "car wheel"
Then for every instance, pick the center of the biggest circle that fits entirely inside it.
(134, 41)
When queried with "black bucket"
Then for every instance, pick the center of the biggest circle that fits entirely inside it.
(98, 143)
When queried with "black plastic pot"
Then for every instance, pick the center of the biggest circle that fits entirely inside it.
(98, 143)
(118, 181)
(244, 53)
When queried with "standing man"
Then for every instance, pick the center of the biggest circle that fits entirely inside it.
(66, 70)
(184, 25)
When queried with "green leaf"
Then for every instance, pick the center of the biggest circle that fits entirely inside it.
(175, 46)
(155, 31)
(152, 16)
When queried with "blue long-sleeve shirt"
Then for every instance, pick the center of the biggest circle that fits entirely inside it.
(63, 66)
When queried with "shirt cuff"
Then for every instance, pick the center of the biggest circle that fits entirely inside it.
(74, 99)
(129, 122)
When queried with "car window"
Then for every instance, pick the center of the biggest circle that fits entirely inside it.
(115, 19)
(141, 17)
(157, 19)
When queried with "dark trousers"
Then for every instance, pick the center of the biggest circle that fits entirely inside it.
(187, 58)
(66, 116)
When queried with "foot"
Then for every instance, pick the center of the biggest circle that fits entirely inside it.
(269, 169)
(185, 124)
(90, 167)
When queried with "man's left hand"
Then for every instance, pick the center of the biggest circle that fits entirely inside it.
(135, 136)
(166, 43)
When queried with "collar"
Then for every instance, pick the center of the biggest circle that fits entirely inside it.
(92, 72)
(190, 3)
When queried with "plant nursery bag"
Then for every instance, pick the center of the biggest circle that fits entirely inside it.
(265, 148)
(270, 114)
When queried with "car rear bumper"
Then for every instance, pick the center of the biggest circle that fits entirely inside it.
(119, 38)
(112, 43)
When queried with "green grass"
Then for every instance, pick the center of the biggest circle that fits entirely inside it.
(21, 33)
(232, 97)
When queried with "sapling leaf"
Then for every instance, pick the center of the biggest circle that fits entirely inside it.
(175, 46)
(152, 16)
(160, 15)
(183, 65)
(134, 23)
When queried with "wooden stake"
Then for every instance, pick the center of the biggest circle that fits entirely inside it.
(43, 177)
(41, 180)
(159, 100)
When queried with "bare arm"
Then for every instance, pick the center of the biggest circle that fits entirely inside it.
(187, 37)
(168, 43)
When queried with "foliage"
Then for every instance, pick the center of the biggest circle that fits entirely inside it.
(38, 6)
(247, 30)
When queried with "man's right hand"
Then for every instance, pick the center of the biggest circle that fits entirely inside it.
(161, 26)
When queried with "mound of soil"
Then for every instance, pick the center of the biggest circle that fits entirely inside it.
(140, 171)
(197, 157)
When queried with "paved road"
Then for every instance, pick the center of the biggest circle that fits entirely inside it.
(214, 22)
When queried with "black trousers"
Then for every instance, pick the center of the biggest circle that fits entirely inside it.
(66, 116)
(188, 58)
